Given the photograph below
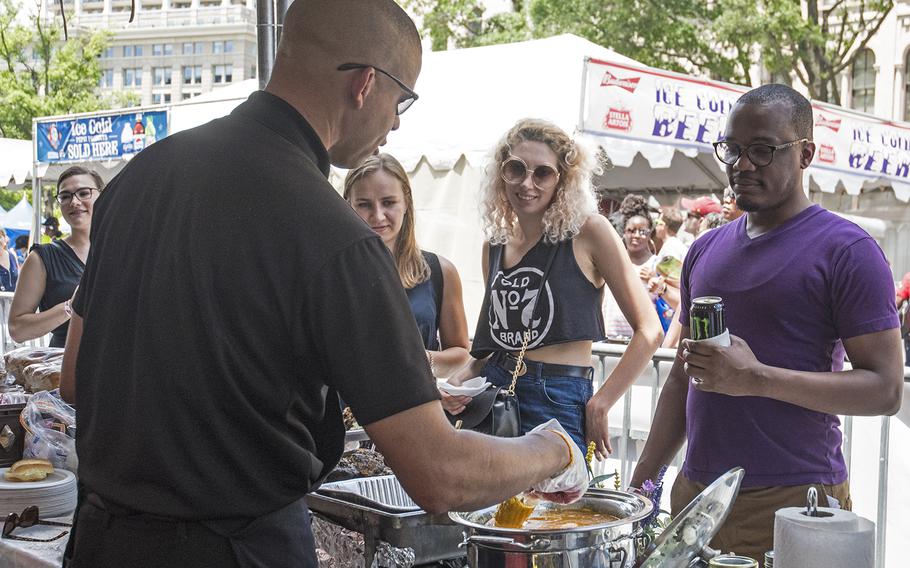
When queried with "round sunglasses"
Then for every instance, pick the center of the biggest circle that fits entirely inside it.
(514, 170)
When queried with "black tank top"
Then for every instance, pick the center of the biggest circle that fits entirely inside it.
(569, 310)
(64, 271)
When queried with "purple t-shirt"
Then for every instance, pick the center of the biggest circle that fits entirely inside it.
(792, 294)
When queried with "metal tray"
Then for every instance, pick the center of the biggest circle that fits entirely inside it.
(384, 493)
(432, 537)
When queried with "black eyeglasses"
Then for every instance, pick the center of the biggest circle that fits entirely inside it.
(29, 518)
(82, 194)
(405, 102)
(759, 154)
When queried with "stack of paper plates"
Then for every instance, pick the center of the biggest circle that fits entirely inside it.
(55, 496)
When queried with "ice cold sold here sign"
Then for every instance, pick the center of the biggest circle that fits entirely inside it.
(93, 138)
(649, 105)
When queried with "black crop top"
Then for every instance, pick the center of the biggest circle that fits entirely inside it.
(570, 306)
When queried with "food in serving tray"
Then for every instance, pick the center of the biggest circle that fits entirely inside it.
(361, 462)
(513, 512)
(29, 470)
(519, 513)
(555, 519)
(350, 423)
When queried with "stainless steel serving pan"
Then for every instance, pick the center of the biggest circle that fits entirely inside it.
(602, 545)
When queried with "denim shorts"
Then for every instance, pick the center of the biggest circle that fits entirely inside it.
(542, 397)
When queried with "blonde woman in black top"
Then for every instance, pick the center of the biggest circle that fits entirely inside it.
(538, 208)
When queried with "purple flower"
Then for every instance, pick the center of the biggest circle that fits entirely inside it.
(654, 491)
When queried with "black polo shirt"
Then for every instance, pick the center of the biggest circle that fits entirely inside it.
(229, 296)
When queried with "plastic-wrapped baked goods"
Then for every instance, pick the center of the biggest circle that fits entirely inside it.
(18, 359)
(41, 376)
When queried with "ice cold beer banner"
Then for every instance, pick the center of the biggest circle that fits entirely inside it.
(99, 137)
(667, 108)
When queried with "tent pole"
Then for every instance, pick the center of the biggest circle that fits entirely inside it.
(281, 8)
(36, 206)
(36, 186)
(265, 36)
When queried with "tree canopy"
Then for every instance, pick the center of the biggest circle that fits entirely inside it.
(722, 39)
(42, 75)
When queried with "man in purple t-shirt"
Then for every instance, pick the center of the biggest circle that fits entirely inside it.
(801, 287)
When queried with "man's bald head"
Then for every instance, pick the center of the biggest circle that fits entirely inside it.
(352, 109)
(364, 31)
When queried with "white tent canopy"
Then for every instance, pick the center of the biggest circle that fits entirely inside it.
(15, 162)
(20, 217)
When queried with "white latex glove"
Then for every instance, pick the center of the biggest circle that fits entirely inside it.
(571, 483)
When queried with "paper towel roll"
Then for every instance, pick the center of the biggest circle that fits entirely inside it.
(836, 539)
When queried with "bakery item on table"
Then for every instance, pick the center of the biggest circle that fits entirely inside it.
(31, 469)
(41, 376)
(18, 359)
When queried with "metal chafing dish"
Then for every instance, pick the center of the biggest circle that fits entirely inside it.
(683, 544)
(604, 545)
(380, 510)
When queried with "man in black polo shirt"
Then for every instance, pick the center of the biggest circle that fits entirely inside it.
(231, 295)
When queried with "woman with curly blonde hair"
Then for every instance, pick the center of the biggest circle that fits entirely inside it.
(548, 257)
(380, 192)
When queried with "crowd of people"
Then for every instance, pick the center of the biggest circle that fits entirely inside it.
(236, 354)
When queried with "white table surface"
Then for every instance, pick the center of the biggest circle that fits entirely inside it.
(22, 554)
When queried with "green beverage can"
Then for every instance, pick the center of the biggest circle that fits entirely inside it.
(706, 318)
(730, 560)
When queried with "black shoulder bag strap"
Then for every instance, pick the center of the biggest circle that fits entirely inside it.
(438, 281)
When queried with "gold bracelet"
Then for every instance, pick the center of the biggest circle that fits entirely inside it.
(568, 443)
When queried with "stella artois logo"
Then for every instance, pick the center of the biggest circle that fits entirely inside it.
(826, 153)
(611, 80)
(832, 123)
(617, 119)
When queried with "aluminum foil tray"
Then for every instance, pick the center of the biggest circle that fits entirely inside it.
(384, 493)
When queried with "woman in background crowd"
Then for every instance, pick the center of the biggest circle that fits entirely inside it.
(710, 221)
(539, 211)
(636, 237)
(52, 271)
(9, 265)
(21, 248)
(380, 192)
(729, 208)
(902, 297)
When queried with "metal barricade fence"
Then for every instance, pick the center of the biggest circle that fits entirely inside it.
(6, 342)
(626, 437)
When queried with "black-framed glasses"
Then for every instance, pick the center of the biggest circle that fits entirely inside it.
(405, 102)
(514, 170)
(759, 154)
(29, 518)
(82, 194)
